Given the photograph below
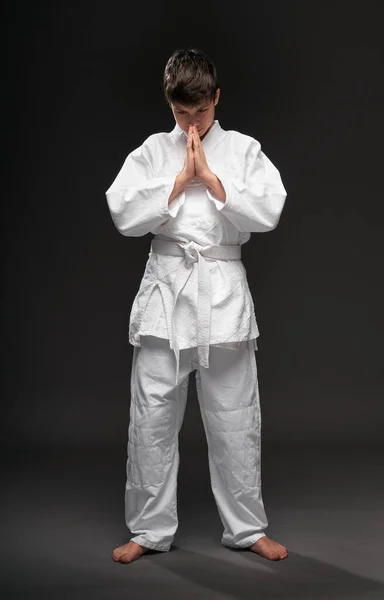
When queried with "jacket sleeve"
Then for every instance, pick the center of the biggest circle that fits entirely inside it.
(137, 200)
(255, 204)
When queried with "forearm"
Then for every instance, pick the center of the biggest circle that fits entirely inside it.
(215, 186)
(180, 183)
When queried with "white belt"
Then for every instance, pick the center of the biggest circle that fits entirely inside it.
(192, 253)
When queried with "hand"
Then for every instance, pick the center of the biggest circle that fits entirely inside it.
(201, 166)
(203, 171)
(188, 171)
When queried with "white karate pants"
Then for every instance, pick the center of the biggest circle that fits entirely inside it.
(228, 396)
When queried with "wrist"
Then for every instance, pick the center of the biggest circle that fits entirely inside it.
(182, 178)
(208, 178)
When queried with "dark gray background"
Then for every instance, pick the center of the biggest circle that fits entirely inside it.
(83, 89)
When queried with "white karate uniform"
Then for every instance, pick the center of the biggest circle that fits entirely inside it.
(166, 320)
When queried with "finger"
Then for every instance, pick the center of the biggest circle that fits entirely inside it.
(190, 139)
(197, 138)
(194, 141)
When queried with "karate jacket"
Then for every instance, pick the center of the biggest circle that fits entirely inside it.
(138, 204)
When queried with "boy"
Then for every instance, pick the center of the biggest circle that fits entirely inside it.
(201, 191)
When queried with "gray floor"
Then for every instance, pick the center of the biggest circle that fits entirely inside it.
(63, 514)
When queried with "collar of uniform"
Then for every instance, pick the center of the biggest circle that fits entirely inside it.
(180, 133)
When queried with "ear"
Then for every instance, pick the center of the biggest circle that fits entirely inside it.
(217, 96)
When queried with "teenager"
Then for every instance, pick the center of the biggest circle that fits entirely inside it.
(201, 190)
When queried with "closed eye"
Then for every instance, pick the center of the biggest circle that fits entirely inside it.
(182, 112)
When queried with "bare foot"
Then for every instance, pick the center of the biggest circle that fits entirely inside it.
(270, 549)
(128, 552)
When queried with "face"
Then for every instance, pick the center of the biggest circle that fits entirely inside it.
(202, 115)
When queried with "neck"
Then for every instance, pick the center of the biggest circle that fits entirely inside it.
(209, 129)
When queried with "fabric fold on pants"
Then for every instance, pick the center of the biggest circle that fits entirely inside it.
(229, 403)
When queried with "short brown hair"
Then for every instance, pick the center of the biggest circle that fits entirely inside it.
(190, 77)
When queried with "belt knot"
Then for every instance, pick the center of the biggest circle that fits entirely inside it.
(191, 253)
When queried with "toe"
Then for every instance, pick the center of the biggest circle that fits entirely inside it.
(125, 558)
(118, 552)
